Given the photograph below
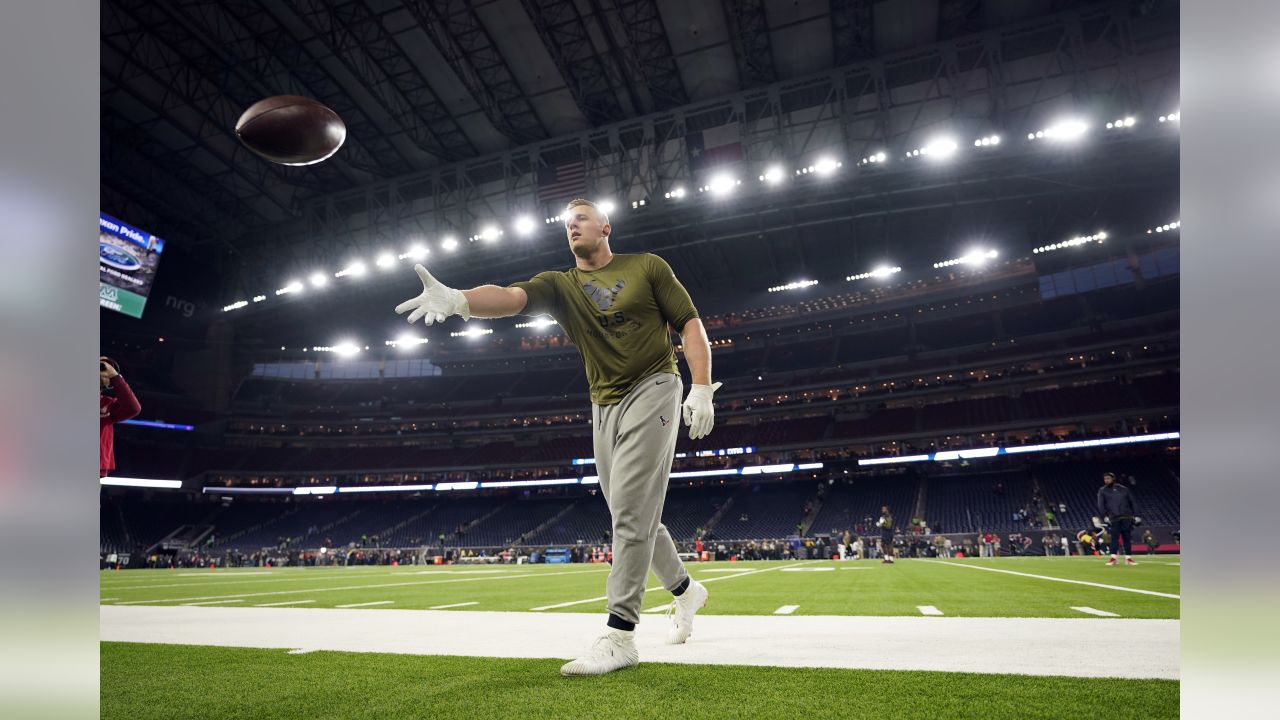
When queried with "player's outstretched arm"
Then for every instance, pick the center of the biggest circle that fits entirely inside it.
(492, 301)
(698, 411)
(438, 301)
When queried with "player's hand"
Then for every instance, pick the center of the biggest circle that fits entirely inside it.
(1137, 520)
(699, 413)
(437, 301)
(104, 368)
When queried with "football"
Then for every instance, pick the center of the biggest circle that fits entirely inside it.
(291, 130)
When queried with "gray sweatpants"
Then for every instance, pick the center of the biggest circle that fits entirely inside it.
(635, 444)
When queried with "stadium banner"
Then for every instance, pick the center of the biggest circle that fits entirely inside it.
(127, 263)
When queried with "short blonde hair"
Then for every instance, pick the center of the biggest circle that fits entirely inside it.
(576, 202)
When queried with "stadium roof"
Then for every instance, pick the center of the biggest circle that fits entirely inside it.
(461, 113)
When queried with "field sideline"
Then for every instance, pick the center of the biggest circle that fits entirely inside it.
(997, 638)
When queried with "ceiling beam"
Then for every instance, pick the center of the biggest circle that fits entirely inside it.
(365, 48)
(470, 51)
(749, 29)
(570, 46)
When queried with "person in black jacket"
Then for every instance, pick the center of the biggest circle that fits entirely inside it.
(1117, 509)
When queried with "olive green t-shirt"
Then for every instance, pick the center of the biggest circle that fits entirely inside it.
(617, 317)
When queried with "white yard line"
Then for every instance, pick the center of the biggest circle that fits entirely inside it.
(786, 610)
(571, 603)
(366, 604)
(454, 605)
(355, 587)
(214, 574)
(224, 581)
(1042, 646)
(741, 574)
(337, 574)
(1057, 579)
(658, 609)
(213, 602)
(1094, 611)
(929, 610)
(107, 599)
(286, 602)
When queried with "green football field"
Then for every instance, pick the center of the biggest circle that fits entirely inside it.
(143, 680)
(954, 587)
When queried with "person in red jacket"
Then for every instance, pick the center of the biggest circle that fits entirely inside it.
(112, 410)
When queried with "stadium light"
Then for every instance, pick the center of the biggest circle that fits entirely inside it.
(541, 322)
(794, 285)
(674, 194)
(1166, 228)
(141, 482)
(292, 286)
(355, 269)
(529, 483)
(235, 305)
(345, 348)
(826, 165)
(259, 298)
(606, 206)
(882, 271)
(416, 252)
(978, 257)
(382, 488)
(1098, 237)
(406, 340)
(874, 159)
(773, 175)
(385, 261)
(524, 225)
(319, 280)
(1121, 123)
(1172, 117)
(722, 184)
(637, 204)
(987, 141)
(974, 257)
(1071, 129)
(450, 244)
(938, 148)
(490, 233)
(473, 333)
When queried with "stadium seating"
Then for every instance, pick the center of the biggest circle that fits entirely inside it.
(770, 511)
(1155, 489)
(971, 502)
(847, 504)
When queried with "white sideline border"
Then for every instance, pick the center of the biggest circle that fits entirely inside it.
(1027, 646)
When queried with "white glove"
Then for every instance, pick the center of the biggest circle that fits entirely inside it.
(699, 414)
(436, 302)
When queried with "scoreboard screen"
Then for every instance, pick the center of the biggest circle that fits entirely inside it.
(127, 263)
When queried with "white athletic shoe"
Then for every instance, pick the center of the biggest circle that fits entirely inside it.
(614, 650)
(683, 609)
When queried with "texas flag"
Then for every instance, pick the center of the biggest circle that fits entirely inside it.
(714, 147)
